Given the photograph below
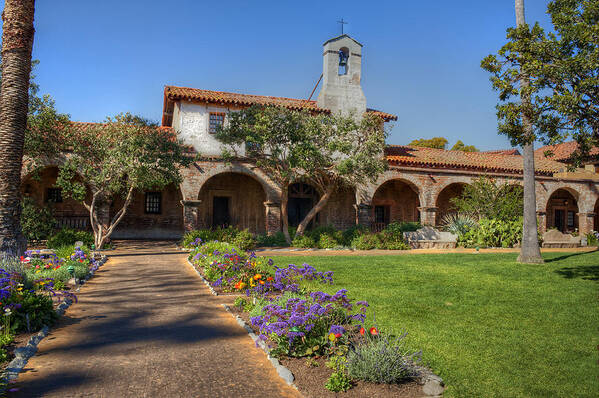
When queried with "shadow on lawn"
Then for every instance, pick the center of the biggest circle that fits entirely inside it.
(588, 272)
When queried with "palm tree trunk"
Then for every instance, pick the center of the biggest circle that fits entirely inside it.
(17, 42)
(530, 252)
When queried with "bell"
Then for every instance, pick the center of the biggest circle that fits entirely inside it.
(342, 58)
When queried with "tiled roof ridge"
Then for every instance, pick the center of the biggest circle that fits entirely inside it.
(242, 94)
(213, 96)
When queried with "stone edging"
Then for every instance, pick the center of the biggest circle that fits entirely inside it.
(214, 293)
(283, 372)
(22, 354)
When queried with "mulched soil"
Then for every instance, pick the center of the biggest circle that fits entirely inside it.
(310, 379)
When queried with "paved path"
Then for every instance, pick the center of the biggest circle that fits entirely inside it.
(145, 326)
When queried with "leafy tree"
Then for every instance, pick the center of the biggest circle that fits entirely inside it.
(125, 154)
(275, 137)
(326, 151)
(341, 151)
(572, 73)
(459, 146)
(38, 222)
(515, 73)
(485, 198)
(435, 142)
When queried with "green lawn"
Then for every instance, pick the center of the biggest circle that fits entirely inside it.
(490, 327)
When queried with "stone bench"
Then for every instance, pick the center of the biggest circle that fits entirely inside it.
(430, 238)
(555, 238)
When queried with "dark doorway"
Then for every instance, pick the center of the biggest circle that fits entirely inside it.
(297, 210)
(381, 214)
(220, 211)
(559, 220)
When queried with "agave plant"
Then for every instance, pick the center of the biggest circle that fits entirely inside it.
(457, 223)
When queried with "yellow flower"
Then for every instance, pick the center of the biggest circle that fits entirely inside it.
(332, 337)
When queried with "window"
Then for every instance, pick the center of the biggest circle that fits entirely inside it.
(571, 219)
(54, 195)
(153, 203)
(217, 119)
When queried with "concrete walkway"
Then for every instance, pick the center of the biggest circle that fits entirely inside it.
(145, 326)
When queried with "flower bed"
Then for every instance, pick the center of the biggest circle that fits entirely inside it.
(30, 289)
(309, 326)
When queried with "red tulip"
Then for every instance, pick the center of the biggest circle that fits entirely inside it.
(373, 331)
(337, 335)
(362, 331)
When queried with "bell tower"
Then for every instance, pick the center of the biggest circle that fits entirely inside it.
(342, 70)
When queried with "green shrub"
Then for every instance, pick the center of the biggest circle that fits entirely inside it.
(378, 359)
(303, 241)
(593, 239)
(244, 240)
(366, 242)
(327, 241)
(351, 233)
(37, 222)
(320, 230)
(205, 235)
(458, 223)
(338, 382)
(67, 237)
(36, 311)
(401, 227)
(277, 239)
(493, 233)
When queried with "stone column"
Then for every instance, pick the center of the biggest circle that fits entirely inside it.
(190, 214)
(542, 219)
(273, 217)
(363, 215)
(428, 215)
(586, 222)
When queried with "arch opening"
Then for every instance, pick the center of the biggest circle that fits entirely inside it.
(394, 201)
(562, 211)
(444, 200)
(232, 199)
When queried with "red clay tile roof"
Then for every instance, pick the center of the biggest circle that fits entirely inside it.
(563, 152)
(221, 97)
(175, 93)
(386, 116)
(441, 158)
(512, 151)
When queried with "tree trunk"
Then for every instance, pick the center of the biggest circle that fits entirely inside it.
(314, 211)
(529, 252)
(17, 42)
(284, 216)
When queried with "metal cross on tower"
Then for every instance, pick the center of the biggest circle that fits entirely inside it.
(342, 22)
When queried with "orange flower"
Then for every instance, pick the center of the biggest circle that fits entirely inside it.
(270, 278)
(262, 282)
(240, 285)
(257, 276)
(362, 331)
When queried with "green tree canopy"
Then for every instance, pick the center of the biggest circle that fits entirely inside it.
(114, 159)
(435, 142)
(485, 198)
(327, 151)
(459, 146)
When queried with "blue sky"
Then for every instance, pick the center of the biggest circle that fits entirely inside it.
(421, 59)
